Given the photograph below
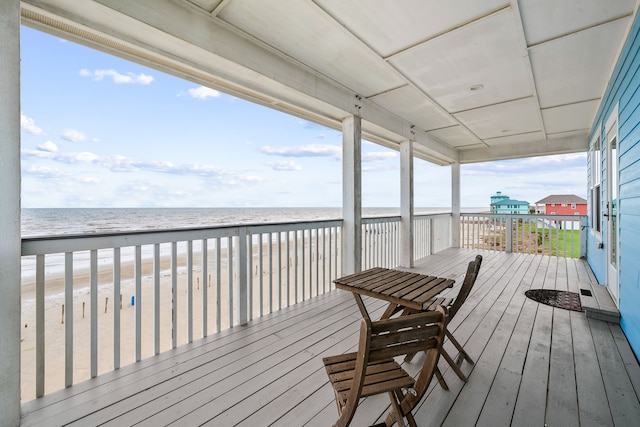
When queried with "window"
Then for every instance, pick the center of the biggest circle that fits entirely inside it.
(553, 205)
(595, 156)
(564, 205)
(573, 206)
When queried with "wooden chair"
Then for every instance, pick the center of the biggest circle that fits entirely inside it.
(453, 305)
(372, 369)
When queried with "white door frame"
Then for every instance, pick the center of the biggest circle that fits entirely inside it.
(612, 208)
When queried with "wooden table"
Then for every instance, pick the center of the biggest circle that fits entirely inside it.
(399, 288)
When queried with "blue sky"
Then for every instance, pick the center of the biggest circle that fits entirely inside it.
(99, 131)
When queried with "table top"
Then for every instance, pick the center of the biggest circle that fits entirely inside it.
(404, 288)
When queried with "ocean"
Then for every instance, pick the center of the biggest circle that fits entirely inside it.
(71, 221)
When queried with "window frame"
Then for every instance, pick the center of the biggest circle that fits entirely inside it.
(595, 184)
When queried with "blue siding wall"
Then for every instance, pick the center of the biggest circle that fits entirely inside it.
(624, 91)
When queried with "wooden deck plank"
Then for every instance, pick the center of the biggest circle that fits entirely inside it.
(500, 402)
(628, 358)
(623, 401)
(532, 395)
(592, 398)
(534, 363)
(562, 400)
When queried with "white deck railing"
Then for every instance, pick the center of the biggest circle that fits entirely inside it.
(93, 303)
(555, 235)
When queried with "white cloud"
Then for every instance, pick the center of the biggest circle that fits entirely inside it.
(42, 171)
(83, 157)
(117, 77)
(87, 179)
(74, 135)
(27, 124)
(312, 150)
(48, 146)
(285, 165)
(124, 164)
(202, 92)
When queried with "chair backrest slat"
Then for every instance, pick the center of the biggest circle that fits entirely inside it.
(469, 279)
(402, 349)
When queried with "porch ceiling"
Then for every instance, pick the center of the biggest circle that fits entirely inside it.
(468, 80)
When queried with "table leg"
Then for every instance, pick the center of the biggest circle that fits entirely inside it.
(361, 306)
(390, 311)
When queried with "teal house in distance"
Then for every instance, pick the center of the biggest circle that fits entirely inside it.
(501, 204)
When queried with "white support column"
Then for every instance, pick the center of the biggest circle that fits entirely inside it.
(351, 195)
(455, 205)
(406, 204)
(10, 243)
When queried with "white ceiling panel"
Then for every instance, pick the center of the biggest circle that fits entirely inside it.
(456, 136)
(547, 19)
(208, 5)
(484, 52)
(301, 30)
(569, 117)
(509, 118)
(389, 27)
(411, 104)
(515, 139)
(576, 68)
(581, 133)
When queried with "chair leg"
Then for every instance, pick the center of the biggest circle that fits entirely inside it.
(396, 407)
(453, 365)
(441, 380)
(458, 346)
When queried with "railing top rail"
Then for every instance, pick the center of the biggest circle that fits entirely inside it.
(82, 242)
(528, 216)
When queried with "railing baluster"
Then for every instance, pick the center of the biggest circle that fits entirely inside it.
(93, 268)
(156, 298)
(138, 302)
(324, 260)
(309, 262)
(205, 287)
(174, 294)
(295, 266)
(288, 269)
(40, 327)
(331, 240)
(218, 285)
(230, 284)
(190, 291)
(245, 293)
(68, 318)
(303, 243)
(116, 308)
(270, 254)
(317, 261)
(261, 274)
(279, 270)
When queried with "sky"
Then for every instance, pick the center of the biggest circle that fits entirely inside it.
(100, 131)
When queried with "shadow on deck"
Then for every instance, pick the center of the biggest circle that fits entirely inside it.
(535, 364)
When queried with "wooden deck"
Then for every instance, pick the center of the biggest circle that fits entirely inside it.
(535, 365)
